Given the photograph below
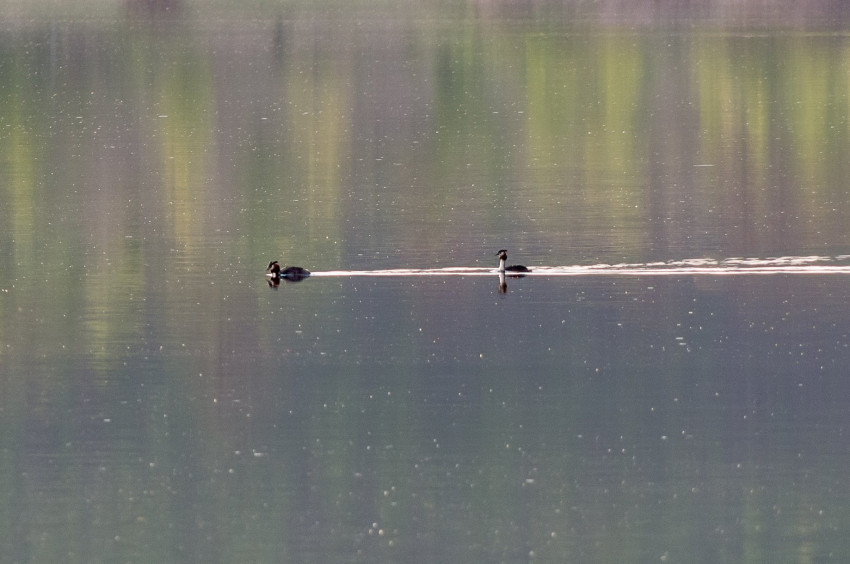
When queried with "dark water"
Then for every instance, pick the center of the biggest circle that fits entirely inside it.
(670, 383)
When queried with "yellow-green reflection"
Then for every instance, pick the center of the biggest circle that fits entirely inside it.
(161, 402)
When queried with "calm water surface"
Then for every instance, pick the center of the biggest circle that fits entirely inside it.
(645, 395)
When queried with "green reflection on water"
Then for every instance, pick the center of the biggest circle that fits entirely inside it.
(160, 402)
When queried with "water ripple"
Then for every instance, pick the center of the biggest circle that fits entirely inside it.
(734, 266)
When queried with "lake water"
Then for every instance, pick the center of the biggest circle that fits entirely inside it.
(669, 384)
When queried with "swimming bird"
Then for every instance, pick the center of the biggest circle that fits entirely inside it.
(291, 273)
(503, 256)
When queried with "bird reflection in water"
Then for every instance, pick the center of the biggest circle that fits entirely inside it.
(503, 282)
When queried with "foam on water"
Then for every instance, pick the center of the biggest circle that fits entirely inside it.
(735, 266)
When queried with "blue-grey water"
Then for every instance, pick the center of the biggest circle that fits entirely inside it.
(669, 383)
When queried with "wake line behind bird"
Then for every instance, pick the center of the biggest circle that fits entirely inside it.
(809, 265)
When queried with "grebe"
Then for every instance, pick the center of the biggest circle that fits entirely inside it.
(291, 273)
(503, 256)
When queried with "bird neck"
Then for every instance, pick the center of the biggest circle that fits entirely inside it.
(501, 264)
